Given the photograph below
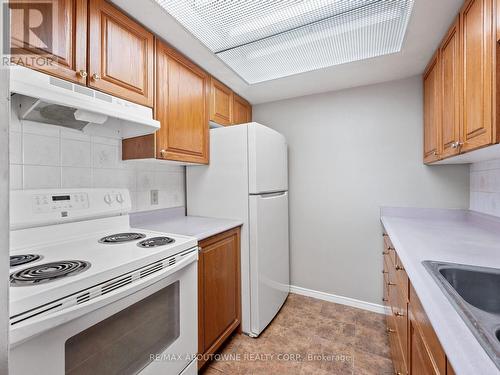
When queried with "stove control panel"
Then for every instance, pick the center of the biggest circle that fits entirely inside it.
(30, 208)
(44, 203)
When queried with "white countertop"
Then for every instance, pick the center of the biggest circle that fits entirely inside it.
(456, 236)
(173, 220)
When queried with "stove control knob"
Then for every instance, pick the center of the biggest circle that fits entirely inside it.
(108, 199)
(119, 198)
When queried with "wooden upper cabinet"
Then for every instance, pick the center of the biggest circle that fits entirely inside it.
(432, 110)
(449, 60)
(477, 42)
(221, 103)
(65, 45)
(120, 54)
(181, 105)
(242, 110)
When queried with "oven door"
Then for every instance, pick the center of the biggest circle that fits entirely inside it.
(150, 328)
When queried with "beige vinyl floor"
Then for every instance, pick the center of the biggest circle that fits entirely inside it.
(310, 337)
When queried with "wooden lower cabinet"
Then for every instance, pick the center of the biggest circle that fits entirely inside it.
(415, 348)
(219, 292)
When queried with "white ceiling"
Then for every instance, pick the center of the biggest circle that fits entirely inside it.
(428, 24)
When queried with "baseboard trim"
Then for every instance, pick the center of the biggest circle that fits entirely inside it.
(339, 299)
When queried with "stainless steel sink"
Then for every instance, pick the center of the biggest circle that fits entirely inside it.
(475, 294)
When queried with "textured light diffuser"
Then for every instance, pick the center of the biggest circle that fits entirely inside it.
(264, 40)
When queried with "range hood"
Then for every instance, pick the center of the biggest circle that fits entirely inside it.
(50, 100)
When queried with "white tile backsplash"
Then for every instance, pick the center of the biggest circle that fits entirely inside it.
(485, 187)
(41, 177)
(41, 150)
(104, 156)
(75, 153)
(48, 156)
(72, 177)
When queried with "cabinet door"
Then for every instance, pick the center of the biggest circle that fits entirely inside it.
(242, 110)
(219, 270)
(432, 110)
(181, 107)
(65, 46)
(120, 55)
(450, 93)
(221, 103)
(421, 363)
(477, 41)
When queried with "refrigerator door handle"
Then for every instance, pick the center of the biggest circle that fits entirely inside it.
(271, 195)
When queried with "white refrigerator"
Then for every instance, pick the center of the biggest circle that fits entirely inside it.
(247, 180)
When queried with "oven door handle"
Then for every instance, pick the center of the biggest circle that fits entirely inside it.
(22, 331)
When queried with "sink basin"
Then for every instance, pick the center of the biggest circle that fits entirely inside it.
(475, 294)
(479, 288)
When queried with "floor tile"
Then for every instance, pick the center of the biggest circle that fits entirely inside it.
(371, 364)
(310, 336)
(372, 341)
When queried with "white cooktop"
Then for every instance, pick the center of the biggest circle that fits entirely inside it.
(79, 240)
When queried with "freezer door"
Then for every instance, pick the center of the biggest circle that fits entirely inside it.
(267, 160)
(269, 257)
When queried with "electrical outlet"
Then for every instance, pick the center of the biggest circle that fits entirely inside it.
(154, 197)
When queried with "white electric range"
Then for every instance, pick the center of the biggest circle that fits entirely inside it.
(89, 294)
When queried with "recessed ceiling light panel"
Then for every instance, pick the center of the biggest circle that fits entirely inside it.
(263, 40)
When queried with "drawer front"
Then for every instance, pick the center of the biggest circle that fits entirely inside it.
(401, 278)
(389, 248)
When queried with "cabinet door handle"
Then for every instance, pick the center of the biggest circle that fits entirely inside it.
(390, 330)
(399, 314)
(385, 271)
(385, 300)
(82, 73)
(96, 77)
(399, 268)
(385, 252)
(390, 284)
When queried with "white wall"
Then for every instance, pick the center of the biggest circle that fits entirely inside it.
(485, 187)
(47, 156)
(351, 152)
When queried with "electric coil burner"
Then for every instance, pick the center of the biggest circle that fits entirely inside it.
(47, 272)
(18, 260)
(155, 242)
(121, 238)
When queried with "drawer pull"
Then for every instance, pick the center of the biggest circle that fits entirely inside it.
(390, 330)
(399, 314)
(390, 283)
